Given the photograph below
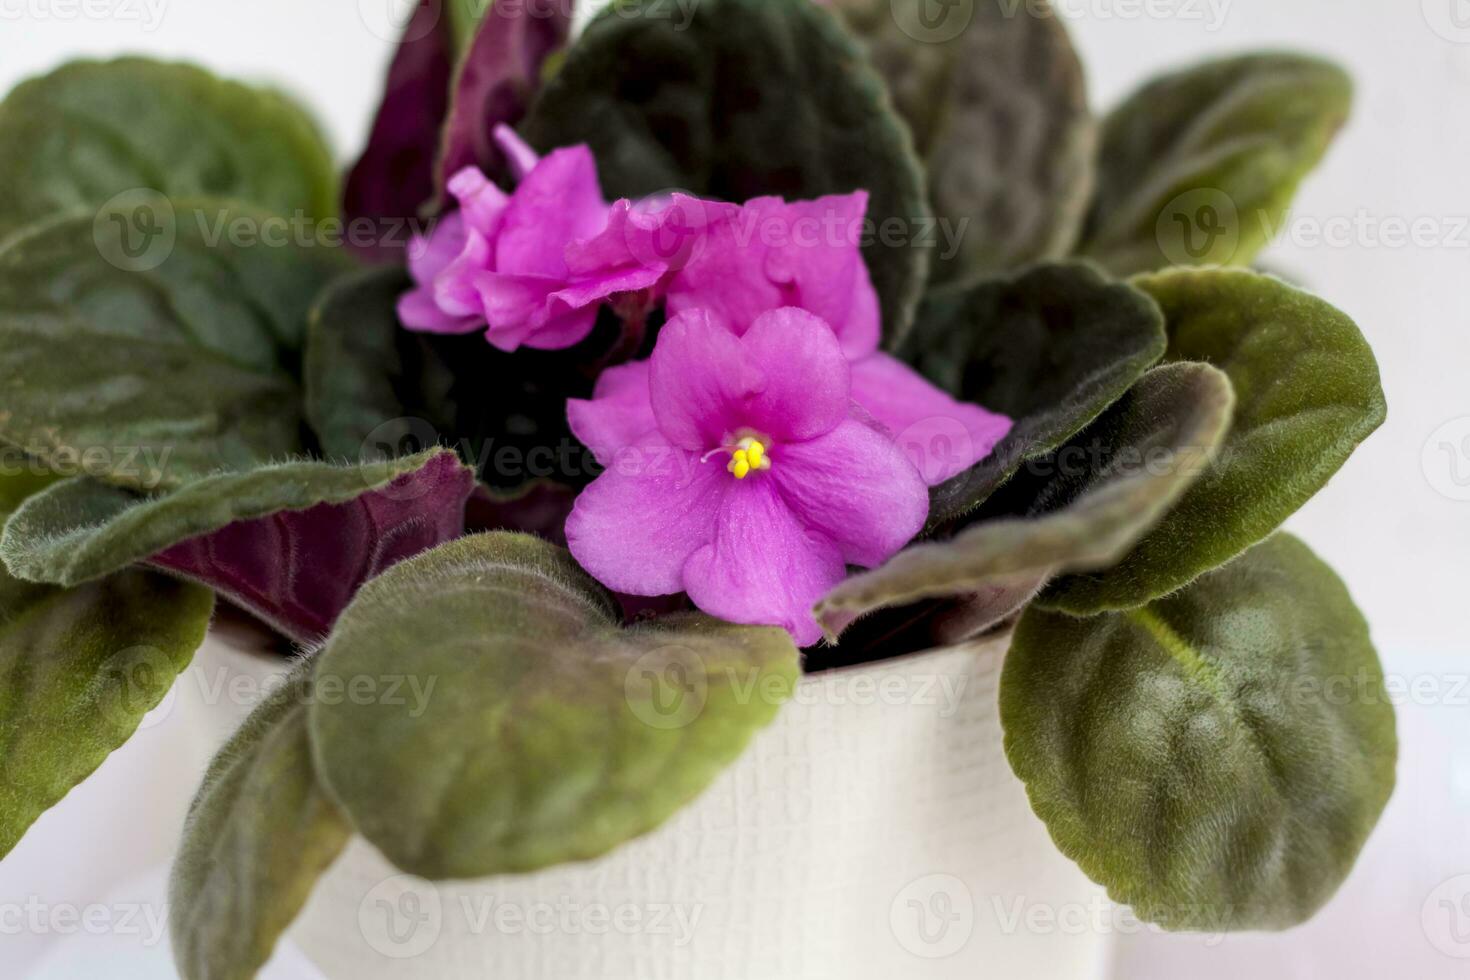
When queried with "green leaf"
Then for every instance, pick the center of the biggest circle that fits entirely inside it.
(368, 378)
(1051, 347)
(1083, 507)
(260, 833)
(736, 99)
(79, 668)
(542, 731)
(1217, 758)
(374, 386)
(149, 368)
(1199, 167)
(997, 103)
(77, 137)
(1307, 393)
(80, 529)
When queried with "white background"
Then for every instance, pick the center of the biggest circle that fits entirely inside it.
(1390, 521)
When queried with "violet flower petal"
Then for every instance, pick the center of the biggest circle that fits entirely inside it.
(763, 565)
(636, 525)
(618, 414)
(805, 254)
(559, 202)
(856, 488)
(941, 436)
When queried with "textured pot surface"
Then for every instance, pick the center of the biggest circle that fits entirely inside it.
(874, 830)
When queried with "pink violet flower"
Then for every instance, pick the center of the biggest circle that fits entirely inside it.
(533, 267)
(737, 472)
(807, 254)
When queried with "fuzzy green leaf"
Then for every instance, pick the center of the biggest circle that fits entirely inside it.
(736, 99)
(260, 833)
(1083, 507)
(544, 731)
(149, 368)
(1217, 758)
(1199, 167)
(291, 543)
(79, 668)
(997, 103)
(1051, 347)
(80, 529)
(77, 137)
(1307, 393)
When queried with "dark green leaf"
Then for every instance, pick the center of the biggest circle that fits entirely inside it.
(1083, 508)
(1051, 347)
(1199, 167)
(79, 668)
(77, 137)
(146, 368)
(259, 835)
(291, 542)
(1217, 758)
(736, 99)
(378, 388)
(997, 103)
(1307, 393)
(542, 731)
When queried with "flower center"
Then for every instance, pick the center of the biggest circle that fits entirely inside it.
(748, 456)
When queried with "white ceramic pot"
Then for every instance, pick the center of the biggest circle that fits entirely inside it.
(873, 831)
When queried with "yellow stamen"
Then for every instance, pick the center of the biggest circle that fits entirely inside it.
(748, 456)
(740, 464)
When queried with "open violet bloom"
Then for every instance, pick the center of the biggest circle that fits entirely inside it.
(773, 253)
(533, 267)
(739, 471)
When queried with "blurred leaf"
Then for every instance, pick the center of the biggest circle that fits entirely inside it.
(1199, 167)
(1307, 393)
(79, 668)
(150, 368)
(394, 177)
(543, 731)
(735, 99)
(260, 833)
(500, 74)
(90, 130)
(997, 102)
(1217, 758)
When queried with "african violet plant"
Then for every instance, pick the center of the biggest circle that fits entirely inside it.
(683, 344)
